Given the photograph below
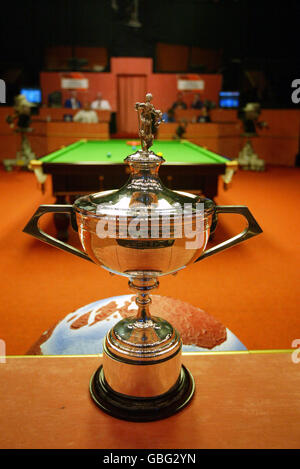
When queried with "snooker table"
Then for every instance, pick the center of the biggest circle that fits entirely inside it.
(89, 166)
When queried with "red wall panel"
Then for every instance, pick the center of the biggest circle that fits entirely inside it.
(104, 82)
(131, 66)
(163, 86)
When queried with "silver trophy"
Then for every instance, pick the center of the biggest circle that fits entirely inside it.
(143, 231)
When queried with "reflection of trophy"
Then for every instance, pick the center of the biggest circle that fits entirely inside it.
(143, 231)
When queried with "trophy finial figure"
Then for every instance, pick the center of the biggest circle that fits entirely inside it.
(149, 120)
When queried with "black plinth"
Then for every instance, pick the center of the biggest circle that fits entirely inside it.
(140, 409)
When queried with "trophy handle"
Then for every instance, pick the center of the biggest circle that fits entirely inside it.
(33, 229)
(251, 230)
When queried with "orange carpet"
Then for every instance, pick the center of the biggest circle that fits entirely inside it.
(252, 288)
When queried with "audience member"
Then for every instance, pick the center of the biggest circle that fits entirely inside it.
(197, 103)
(73, 102)
(209, 104)
(179, 104)
(204, 116)
(101, 104)
(168, 116)
(86, 115)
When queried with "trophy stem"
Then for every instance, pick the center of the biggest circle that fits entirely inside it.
(143, 286)
(142, 377)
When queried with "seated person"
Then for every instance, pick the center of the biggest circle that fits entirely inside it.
(179, 104)
(204, 116)
(73, 102)
(197, 103)
(181, 129)
(168, 116)
(101, 104)
(86, 115)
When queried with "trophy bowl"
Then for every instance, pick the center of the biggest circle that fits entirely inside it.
(143, 231)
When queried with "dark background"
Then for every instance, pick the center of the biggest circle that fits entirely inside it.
(258, 35)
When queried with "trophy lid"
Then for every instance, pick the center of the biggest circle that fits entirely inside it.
(144, 193)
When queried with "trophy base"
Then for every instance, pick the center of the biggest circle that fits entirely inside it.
(142, 409)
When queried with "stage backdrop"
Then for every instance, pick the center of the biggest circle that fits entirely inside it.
(163, 86)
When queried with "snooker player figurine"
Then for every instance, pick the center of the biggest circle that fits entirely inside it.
(149, 119)
(136, 232)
